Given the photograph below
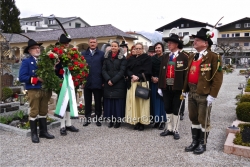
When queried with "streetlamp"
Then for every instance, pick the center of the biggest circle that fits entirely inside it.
(21, 98)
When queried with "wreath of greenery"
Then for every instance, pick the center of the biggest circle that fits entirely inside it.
(69, 57)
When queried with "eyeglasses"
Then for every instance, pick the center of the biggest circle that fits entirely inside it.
(138, 48)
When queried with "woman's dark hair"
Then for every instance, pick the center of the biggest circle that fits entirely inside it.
(116, 43)
(162, 46)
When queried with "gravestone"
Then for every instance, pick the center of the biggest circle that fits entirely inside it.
(246, 134)
(7, 80)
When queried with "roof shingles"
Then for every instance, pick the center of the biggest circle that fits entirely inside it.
(75, 33)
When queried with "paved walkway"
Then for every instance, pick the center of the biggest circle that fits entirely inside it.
(102, 146)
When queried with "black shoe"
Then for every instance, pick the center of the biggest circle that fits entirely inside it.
(72, 128)
(63, 131)
(141, 128)
(181, 117)
(111, 124)
(162, 126)
(43, 129)
(86, 123)
(137, 126)
(176, 136)
(166, 133)
(156, 125)
(98, 123)
(117, 125)
(33, 128)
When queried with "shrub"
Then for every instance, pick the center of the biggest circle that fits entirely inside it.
(7, 92)
(245, 98)
(243, 111)
(247, 89)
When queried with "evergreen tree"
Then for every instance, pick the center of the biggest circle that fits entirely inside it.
(10, 17)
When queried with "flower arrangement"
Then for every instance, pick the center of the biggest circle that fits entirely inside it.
(69, 57)
(76, 63)
(210, 34)
(46, 70)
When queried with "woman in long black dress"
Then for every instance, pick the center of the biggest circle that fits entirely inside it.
(113, 70)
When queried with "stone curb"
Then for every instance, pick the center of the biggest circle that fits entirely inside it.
(24, 132)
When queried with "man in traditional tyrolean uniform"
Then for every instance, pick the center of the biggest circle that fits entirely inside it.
(171, 79)
(38, 98)
(203, 82)
(64, 40)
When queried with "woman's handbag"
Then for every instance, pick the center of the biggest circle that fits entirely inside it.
(142, 92)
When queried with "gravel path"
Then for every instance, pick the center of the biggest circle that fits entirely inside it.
(102, 146)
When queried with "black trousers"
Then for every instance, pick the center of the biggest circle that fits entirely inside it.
(88, 102)
(171, 99)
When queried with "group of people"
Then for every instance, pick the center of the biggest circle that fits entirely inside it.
(114, 76)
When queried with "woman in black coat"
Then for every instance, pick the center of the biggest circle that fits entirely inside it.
(138, 109)
(113, 71)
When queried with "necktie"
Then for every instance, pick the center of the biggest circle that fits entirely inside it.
(93, 52)
(196, 56)
(171, 57)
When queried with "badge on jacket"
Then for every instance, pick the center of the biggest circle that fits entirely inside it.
(179, 64)
(205, 67)
(32, 62)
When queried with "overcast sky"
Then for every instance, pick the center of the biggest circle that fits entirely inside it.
(138, 15)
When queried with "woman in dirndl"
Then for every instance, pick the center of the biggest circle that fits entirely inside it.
(137, 109)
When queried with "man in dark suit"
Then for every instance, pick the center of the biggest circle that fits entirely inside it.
(38, 98)
(94, 58)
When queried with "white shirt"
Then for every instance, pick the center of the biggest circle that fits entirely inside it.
(91, 51)
(201, 53)
(175, 54)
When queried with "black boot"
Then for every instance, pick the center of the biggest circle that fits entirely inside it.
(202, 146)
(33, 128)
(43, 129)
(195, 142)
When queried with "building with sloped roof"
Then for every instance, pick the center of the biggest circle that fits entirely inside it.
(80, 36)
(42, 23)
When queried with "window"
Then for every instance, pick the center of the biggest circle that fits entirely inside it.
(182, 25)
(187, 25)
(227, 35)
(223, 35)
(236, 44)
(246, 34)
(180, 34)
(246, 44)
(237, 25)
(237, 34)
(232, 35)
(69, 24)
(50, 21)
(78, 25)
(246, 25)
(185, 33)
